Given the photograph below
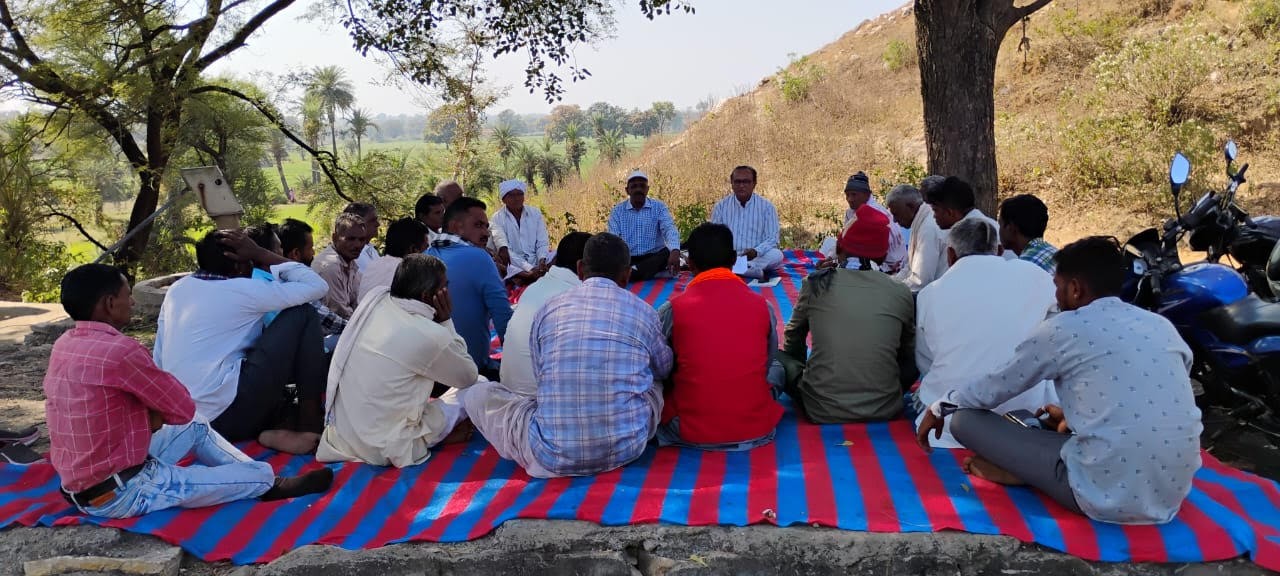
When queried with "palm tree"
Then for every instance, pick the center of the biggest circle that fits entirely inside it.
(612, 145)
(551, 166)
(330, 85)
(505, 142)
(360, 123)
(527, 161)
(597, 126)
(312, 125)
(574, 147)
(279, 152)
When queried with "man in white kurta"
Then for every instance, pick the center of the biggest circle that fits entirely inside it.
(927, 251)
(521, 230)
(969, 321)
(753, 221)
(378, 404)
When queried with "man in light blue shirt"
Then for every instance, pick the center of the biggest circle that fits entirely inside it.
(753, 221)
(645, 224)
(1132, 444)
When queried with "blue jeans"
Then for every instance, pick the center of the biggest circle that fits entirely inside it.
(669, 435)
(222, 474)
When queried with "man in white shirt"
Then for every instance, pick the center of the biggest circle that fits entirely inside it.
(404, 237)
(210, 336)
(519, 234)
(368, 213)
(857, 191)
(753, 221)
(516, 373)
(400, 342)
(952, 201)
(927, 250)
(969, 322)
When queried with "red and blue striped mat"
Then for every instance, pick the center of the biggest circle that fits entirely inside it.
(854, 477)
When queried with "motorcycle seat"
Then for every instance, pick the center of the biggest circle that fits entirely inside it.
(1245, 321)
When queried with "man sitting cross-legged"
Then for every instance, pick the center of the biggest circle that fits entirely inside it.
(400, 342)
(1125, 443)
(404, 236)
(599, 356)
(210, 336)
(337, 264)
(863, 328)
(754, 222)
(119, 425)
(969, 321)
(723, 335)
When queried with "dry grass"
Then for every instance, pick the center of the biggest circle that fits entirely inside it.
(863, 116)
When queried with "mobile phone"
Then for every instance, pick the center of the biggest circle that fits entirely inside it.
(1024, 418)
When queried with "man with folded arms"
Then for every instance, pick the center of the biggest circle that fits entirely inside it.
(599, 356)
(753, 221)
(645, 224)
(119, 425)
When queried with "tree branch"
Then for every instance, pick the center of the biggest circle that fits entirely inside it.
(1017, 13)
(241, 35)
(78, 226)
(323, 157)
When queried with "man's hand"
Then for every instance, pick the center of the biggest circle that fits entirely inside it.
(504, 256)
(1056, 420)
(751, 253)
(930, 422)
(443, 305)
(238, 246)
(673, 262)
(155, 420)
(827, 263)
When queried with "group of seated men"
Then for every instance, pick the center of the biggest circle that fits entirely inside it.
(361, 357)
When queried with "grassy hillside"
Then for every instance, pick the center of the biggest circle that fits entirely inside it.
(1088, 121)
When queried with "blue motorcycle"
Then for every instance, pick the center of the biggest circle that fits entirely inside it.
(1234, 334)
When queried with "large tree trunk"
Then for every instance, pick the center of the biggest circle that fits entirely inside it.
(958, 41)
(333, 131)
(162, 133)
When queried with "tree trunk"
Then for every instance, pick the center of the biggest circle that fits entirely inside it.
(958, 42)
(333, 132)
(284, 182)
(359, 153)
(162, 133)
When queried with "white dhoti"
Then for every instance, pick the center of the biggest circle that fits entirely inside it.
(503, 417)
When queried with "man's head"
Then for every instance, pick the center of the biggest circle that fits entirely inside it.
(606, 256)
(430, 211)
(1087, 270)
(743, 182)
(511, 193)
(264, 235)
(296, 241)
(97, 293)
(211, 256)
(406, 236)
(569, 251)
(857, 190)
(904, 202)
(1023, 218)
(971, 237)
(466, 219)
(928, 185)
(638, 187)
(419, 277)
(952, 200)
(449, 192)
(867, 236)
(349, 236)
(710, 246)
(370, 215)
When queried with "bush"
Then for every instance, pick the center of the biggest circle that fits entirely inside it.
(1077, 41)
(1159, 75)
(898, 55)
(690, 216)
(1262, 18)
(798, 79)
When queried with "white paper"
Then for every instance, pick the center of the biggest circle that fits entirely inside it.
(740, 267)
(828, 247)
(770, 284)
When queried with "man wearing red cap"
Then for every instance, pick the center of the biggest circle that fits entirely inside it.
(863, 327)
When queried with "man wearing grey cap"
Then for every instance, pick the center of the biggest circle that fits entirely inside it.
(645, 224)
(857, 191)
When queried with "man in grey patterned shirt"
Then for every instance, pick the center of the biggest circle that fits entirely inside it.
(1132, 444)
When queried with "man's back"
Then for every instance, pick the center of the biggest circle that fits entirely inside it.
(478, 296)
(517, 361)
(862, 329)
(597, 352)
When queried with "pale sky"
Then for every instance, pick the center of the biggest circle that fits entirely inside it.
(727, 45)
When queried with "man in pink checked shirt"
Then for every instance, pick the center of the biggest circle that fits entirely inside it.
(118, 424)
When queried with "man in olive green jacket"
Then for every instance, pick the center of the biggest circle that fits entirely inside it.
(863, 327)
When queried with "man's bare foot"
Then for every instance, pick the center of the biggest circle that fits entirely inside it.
(289, 441)
(461, 433)
(976, 466)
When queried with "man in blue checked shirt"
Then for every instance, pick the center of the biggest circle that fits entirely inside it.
(599, 356)
(1023, 219)
(645, 224)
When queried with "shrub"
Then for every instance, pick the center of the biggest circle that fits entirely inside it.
(690, 216)
(1077, 41)
(1158, 75)
(798, 79)
(898, 55)
(1262, 18)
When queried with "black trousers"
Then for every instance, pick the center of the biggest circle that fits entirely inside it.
(648, 265)
(290, 350)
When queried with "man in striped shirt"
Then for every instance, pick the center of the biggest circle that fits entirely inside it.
(753, 221)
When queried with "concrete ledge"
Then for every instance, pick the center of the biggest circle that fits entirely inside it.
(148, 295)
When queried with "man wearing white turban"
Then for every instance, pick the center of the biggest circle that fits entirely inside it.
(519, 235)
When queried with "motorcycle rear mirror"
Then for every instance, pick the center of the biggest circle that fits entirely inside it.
(1179, 171)
(1230, 151)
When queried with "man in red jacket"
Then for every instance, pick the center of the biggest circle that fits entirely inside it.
(721, 395)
